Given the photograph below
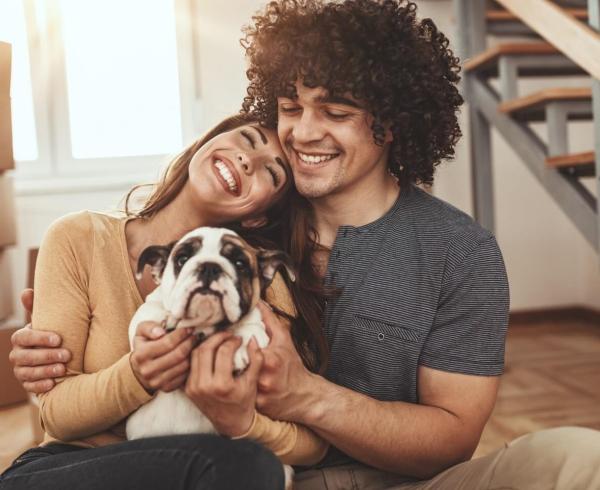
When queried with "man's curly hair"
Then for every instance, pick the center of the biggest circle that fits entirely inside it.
(376, 50)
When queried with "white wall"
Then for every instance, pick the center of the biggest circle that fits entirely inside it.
(548, 262)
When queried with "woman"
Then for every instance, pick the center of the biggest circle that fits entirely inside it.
(86, 291)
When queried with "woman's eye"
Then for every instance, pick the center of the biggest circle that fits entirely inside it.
(181, 260)
(289, 110)
(248, 138)
(274, 175)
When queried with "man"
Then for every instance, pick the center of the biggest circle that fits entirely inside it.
(364, 98)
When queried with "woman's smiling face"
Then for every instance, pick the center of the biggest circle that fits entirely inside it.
(239, 174)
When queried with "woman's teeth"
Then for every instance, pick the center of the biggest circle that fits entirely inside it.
(315, 158)
(227, 175)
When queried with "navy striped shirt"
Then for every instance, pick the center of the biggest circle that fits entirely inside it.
(422, 285)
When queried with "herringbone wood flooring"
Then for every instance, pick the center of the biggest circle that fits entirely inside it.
(552, 378)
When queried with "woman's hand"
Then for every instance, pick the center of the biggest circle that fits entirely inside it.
(227, 400)
(36, 355)
(160, 361)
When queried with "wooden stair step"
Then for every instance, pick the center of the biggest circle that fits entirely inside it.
(501, 15)
(531, 107)
(573, 160)
(492, 55)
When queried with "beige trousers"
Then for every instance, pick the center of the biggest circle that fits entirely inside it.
(565, 458)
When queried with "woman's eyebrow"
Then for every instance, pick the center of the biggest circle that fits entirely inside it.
(262, 135)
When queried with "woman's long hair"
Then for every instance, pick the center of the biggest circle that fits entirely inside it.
(176, 174)
(280, 232)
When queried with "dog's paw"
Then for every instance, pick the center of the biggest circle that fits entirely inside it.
(262, 339)
(240, 359)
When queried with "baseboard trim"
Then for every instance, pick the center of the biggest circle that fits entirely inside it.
(566, 313)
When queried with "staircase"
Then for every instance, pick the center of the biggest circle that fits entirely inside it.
(533, 39)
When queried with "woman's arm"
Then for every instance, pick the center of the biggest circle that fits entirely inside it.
(293, 443)
(80, 404)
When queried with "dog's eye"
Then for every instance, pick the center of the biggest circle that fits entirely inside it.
(240, 264)
(181, 260)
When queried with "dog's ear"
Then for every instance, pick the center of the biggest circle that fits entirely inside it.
(156, 257)
(268, 263)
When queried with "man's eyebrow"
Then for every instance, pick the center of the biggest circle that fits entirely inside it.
(337, 99)
(262, 135)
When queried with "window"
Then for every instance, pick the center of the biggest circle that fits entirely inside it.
(12, 30)
(104, 100)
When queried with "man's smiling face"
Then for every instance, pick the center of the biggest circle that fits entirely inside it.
(329, 142)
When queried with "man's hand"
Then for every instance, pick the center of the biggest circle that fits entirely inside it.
(227, 400)
(284, 381)
(160, 361)
(36, 355)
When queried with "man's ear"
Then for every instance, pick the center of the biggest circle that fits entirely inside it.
(269, 261)
(257, 222)
(389, 136)
(156, 257)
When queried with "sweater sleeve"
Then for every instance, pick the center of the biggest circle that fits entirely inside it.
(293, 443)
(80, 404)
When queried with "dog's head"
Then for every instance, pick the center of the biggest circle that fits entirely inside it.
(211, 277)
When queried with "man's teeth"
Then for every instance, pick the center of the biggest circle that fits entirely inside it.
(227, 175)
(315, 158)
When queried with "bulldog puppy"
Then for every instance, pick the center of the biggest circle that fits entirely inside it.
(211, 280)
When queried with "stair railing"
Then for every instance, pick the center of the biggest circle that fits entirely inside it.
(577, 41)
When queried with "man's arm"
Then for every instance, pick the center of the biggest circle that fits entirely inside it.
(37, 359)
(414, 440)
(418, 440)
(36, 355)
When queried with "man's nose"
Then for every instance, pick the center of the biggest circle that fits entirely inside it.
(208, 272)
(245, 162)
(307, 128)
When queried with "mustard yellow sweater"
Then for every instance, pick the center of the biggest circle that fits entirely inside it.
(85, 291)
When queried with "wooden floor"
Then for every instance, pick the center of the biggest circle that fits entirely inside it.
(552, 379)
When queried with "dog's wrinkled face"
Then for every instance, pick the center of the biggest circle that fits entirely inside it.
(211, 277)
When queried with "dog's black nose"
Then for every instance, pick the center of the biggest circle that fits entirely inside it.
(208, 272)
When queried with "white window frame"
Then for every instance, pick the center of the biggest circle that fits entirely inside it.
(55, 162)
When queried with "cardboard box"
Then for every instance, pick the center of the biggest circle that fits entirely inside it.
(5, 67)
(12, 391)
(6, 291)
(8, 228)
(7, 161)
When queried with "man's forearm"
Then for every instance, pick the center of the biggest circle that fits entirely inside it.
(406, 438)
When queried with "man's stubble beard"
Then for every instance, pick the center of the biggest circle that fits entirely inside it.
(317, 188)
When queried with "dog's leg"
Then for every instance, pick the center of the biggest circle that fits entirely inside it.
(252, 326)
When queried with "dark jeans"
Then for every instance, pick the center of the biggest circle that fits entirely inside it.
(187, 462)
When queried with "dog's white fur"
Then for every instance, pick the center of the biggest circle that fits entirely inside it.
(174, 413)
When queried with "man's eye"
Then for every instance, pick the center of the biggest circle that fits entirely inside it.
(288, 109)
(337, 115)
(181, 260)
